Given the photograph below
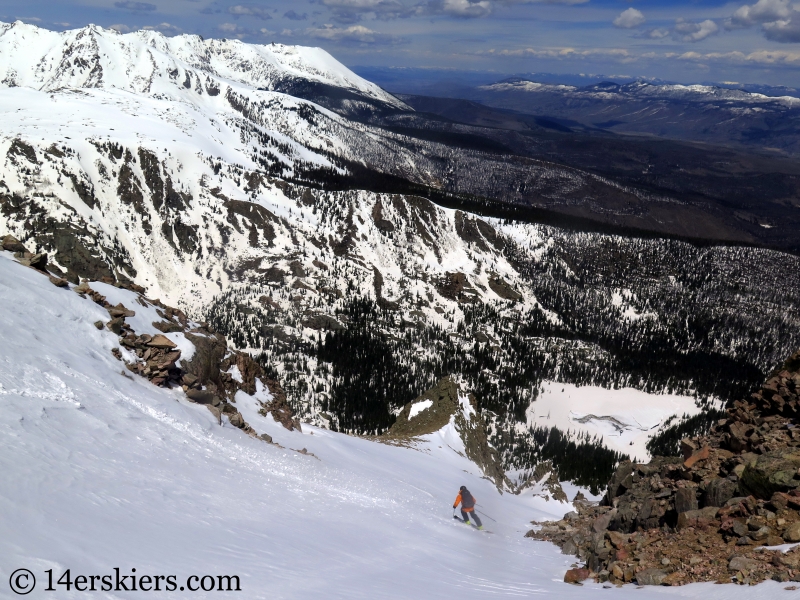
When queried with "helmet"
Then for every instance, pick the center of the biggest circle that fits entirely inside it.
(463, 488)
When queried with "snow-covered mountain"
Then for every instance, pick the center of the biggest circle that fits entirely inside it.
(179, 68)
(102, 470)
(304, 236)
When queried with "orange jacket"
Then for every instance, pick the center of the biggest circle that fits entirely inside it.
(464, 508)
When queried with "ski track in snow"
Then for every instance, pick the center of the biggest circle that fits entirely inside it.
(102, 470)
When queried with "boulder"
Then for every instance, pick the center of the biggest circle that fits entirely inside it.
(688, 447)
(601, 523)
(792, 533)
(621, 481)
(120, 311)
(12, 244)
(685, 500)
(266, 437)
(772, 472)
(115, 325)
(576, 575)
(719, 491)
(697, 518)
(742, 563)
(216, 412)
(237, 420)
(203, 397)
(59, 282)
(651, 577)
(161, 341)
(695, 458)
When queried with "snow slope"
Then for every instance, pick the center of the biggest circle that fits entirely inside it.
(101, 470)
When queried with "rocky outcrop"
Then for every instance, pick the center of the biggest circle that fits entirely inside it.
(445, 403)
(706, 515)
(205, 379)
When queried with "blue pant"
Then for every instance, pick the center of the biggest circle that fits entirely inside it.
(465, 515)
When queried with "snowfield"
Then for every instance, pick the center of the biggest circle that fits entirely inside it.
(99, 469)
(626, 419)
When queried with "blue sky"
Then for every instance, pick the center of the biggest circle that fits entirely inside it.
(756, 41)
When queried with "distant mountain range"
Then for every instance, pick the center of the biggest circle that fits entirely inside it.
(710, 114)
(364, 244)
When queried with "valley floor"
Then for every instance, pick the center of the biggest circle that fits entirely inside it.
(99, 469)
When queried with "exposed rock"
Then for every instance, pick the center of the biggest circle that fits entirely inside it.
(279, 407)
(216, 412)
(685, 500)
(167, 326)
(161, 341)
(446, 403)
(695, 458)
(702, 516)
(792, 533)
(12, 244)
(719, 491)
(576, 575)
(237, 420)
(322, 323)
(115, 325)
(651, 577)
(775, 471)
(120, 311)
(741, 563)
(502, 288)
(203, 397)
(59, 282)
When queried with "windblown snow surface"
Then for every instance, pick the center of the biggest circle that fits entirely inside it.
(99, 470)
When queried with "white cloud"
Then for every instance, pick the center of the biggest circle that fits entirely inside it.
(779, 19)
(763, 11)
(135, 6)
(235, 31)
(786, 30)
(120, 28)
(353, 34)
(630, 18)
(619, 54)
(163, 28)
(466, 9)
(568, 2)
(258, 12)
(688, 31)
(657, 34)
(760, 57)
(352, 11)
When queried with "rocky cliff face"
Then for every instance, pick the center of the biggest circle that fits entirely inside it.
(445, 404)
(704, 516)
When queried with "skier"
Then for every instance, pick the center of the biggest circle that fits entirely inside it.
(467, 501)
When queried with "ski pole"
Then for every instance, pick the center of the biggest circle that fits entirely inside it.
(487, 516)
